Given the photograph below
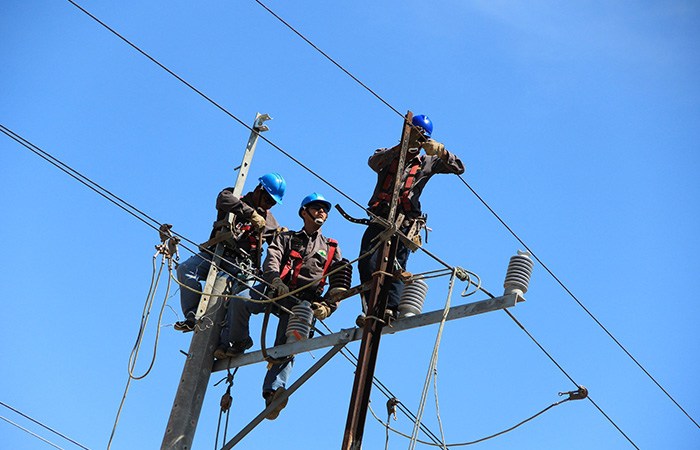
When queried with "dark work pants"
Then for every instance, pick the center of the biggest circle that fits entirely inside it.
(367, 266)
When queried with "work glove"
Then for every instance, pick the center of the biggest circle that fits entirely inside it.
(279, 287)
(433, 148)
(321, 310)
(257, 221)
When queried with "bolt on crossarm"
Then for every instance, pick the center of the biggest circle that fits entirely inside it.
(369, 347)
(179, 433)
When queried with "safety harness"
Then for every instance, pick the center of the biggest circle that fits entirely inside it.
(388, 184)
(294, 261)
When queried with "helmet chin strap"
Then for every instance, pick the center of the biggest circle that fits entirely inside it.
(319, 221)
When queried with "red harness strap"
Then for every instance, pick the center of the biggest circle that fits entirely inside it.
(332, 246)
(246, 231)
(387, 185)
(295, 261)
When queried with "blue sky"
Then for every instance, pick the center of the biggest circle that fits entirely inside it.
(577, 122)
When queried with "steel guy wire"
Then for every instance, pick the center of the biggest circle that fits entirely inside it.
(494, 213)
(30, 432)
(42, 425)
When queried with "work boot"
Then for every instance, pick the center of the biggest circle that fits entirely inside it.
(390, 314)
(184, 325)
(236, 348)
(270, 397)
(220, 352)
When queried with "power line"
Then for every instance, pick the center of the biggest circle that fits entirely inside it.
(571, 294)
(217, 105)
(329, 58)
(489, 208)
(122, 204)
(319, 176)
(30, 432)
(118, 201)
(42, 425)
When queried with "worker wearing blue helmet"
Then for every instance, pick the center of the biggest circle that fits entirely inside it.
(419, 167)
(252, 217)
(295, 260)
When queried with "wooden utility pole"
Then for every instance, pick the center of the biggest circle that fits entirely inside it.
(369, 348)
(189, 398)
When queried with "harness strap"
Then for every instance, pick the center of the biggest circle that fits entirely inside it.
(385, 194)
(332, 246)
(407, 187)
(295, 261)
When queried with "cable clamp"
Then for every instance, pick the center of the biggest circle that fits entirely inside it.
(168, 243)
(578, 394)
(461, 273)
(391, 407)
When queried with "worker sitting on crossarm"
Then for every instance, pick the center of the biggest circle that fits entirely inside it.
(252, 217)
(294, 260)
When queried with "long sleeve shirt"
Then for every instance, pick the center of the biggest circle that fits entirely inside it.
(242, 209)
(313, 249)
(381, 162)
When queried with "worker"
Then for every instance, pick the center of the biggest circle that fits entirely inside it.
(418, 169)
(295, 259)
(252, 217)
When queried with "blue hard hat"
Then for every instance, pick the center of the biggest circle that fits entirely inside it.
(274, 184)
(424, 123)
(315, 198)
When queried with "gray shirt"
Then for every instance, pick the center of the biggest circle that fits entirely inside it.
(313, 249)
(381, 162)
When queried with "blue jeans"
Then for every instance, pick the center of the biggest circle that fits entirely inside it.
(239, 312)
(368, 265)
(193, 271)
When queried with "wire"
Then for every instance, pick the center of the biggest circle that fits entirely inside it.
(217, 105)
(316, 174)
(571, 294)
(496, 215)
(329, 58)
(123, 204)
(462, 444)
(42, 425)
(433, 363)
(33, 434)
(350, 356)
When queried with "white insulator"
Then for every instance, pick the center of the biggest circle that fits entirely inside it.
(412, 298)
(299, 324)
(518, 274)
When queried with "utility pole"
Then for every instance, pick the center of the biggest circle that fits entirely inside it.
(369, 348)
(189, 398)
